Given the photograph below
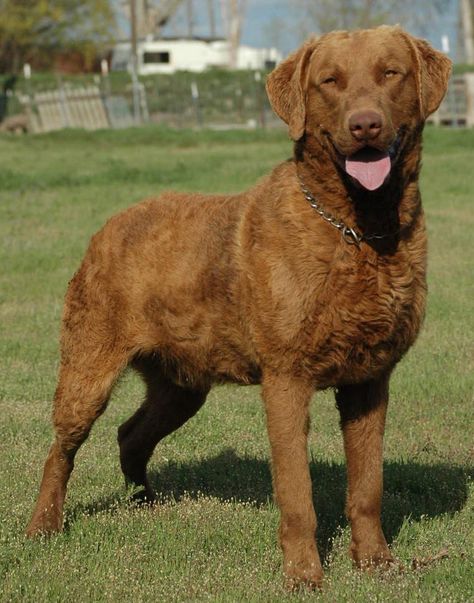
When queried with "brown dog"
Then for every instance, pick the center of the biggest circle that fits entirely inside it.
(314, 278)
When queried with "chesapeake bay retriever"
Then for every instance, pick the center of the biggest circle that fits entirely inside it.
(314, 278)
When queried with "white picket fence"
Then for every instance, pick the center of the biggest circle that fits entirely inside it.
(84, 107)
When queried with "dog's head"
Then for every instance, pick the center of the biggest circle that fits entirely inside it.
(359, 94)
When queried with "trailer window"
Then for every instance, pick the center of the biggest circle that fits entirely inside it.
(156, 57)
(269, 64)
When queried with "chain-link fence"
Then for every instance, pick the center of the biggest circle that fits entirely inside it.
(219, 99)
(213, 99)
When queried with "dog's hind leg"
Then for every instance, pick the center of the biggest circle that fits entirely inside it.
(167, 406)
(85, 382)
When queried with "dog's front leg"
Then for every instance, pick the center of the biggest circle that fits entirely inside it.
(286, 403)
(363, 408)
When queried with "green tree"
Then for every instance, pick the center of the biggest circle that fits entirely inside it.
(45, 27)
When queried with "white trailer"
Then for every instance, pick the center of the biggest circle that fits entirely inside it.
(167, 55)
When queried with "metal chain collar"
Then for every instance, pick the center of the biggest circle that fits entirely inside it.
(350, 235)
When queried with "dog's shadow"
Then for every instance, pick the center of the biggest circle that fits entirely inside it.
(411, 489)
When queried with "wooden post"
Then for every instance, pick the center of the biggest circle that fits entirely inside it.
(259, 99)
(197, 108)
(134, 65)
(469, 79)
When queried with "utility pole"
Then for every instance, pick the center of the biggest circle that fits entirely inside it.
(233, 14)
(212, 18)
(134, 64)
(190, 17)
(467, 31)
(234, 32)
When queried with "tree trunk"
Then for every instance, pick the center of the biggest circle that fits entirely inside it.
(467, 33)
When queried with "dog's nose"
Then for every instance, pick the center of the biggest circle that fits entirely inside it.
(365, 125)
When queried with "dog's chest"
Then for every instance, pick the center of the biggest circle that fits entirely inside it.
(361, 318)
(372, 316)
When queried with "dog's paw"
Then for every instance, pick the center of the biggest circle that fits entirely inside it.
(45, 523)
(300, 575)
(368, 558)
(142, 496)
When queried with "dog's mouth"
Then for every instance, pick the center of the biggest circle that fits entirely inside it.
(370, 167)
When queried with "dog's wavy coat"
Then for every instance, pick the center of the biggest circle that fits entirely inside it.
(262, 287)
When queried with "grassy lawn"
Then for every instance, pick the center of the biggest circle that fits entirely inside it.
(213, 537)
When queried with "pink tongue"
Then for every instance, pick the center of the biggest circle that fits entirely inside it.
(370, 173)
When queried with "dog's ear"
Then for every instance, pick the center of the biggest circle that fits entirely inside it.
(433, 69)
(286, 89)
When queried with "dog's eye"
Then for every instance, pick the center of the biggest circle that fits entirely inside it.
(329, 80)
(390, 73)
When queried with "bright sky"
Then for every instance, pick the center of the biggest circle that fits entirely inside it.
(261, 12)
(275, 23)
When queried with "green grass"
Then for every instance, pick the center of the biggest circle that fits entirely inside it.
(213, 537)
